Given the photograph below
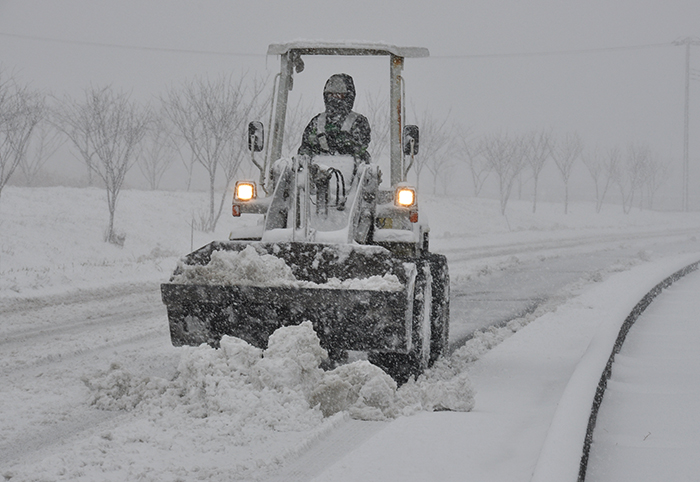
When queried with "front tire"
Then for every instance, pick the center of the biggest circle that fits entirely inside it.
(440, 317)
(402, 366)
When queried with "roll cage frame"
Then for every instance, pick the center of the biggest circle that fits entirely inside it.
(291, 61)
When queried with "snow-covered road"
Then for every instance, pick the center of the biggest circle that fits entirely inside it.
(49, 344)
(63, 347)
(46, 346)
(512, 280)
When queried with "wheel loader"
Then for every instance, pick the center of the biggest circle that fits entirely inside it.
(356, 255)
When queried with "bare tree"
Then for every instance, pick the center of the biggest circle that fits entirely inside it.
(506, 157)
(211, 116)
(297, 119)
(440, 167)
(440, 155)
(645, 173)
(236, 150)
(202, 113)
(179, 146)
(612, 164)
(157, 154)
(629, 175)
(597, 168)
(565, 153)
(377, 112)
(538, 150)
(73, 119)
(470, 152)
(44, 143)
(20, 112)
(435, 146)
(107, 128)
(657, 174)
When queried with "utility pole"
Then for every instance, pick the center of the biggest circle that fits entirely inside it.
(687, 41)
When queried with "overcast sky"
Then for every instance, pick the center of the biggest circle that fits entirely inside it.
(477, 72)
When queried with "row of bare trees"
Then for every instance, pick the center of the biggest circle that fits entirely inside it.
(637, 173)
(203, 122)
(211, 116)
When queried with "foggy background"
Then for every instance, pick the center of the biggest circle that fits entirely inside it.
(605, 70)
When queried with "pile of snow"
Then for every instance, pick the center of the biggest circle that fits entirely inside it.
(248, 267)
(245, 267)
(282, 387)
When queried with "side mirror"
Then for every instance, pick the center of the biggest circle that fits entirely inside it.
(410, 140)
(256, 136)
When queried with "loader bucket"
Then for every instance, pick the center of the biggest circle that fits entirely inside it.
(332, 290)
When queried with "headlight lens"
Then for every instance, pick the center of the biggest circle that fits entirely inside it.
(245, 191)
(405, 196)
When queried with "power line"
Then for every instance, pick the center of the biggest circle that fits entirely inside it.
(243, 54)
(128, 47)
(547, 53)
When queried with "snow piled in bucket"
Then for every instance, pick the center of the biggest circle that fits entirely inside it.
(282, 388)
(238, 267)
(248, 267)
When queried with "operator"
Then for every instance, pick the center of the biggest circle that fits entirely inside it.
(338, 130)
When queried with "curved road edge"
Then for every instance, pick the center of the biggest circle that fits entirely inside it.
(562, 457)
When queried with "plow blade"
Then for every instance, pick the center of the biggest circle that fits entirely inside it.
(361, 317)
(343, 319)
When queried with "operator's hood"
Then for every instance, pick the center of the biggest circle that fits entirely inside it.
(339, 84)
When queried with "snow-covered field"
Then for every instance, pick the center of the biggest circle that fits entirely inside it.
(92, 389)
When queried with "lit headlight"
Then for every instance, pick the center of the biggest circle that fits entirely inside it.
(405, 196)
(245, 191)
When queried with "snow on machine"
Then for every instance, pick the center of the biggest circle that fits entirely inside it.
(333, 248)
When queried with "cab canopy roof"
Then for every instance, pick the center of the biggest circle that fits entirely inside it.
(310, 47)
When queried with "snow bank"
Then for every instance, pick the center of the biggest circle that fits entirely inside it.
(282, 387)
(447, 386)
(561, 452)
(248, 267)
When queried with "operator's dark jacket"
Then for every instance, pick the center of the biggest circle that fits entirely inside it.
(339, 138)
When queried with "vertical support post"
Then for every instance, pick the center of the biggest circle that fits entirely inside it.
(687, 41)
(686, 162)
(285, 85)
(395, 119)
(300, 212)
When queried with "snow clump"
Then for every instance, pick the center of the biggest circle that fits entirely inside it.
(362, 389)
(238, 267)
(388, 282)
(282, 387)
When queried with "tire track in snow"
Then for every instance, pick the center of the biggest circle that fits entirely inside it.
(26, 335)
(69, 417)
(57, 330)
(115, 292)
(62, 340)
(592, 242)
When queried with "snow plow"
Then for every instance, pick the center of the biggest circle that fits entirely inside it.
(332, 246)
